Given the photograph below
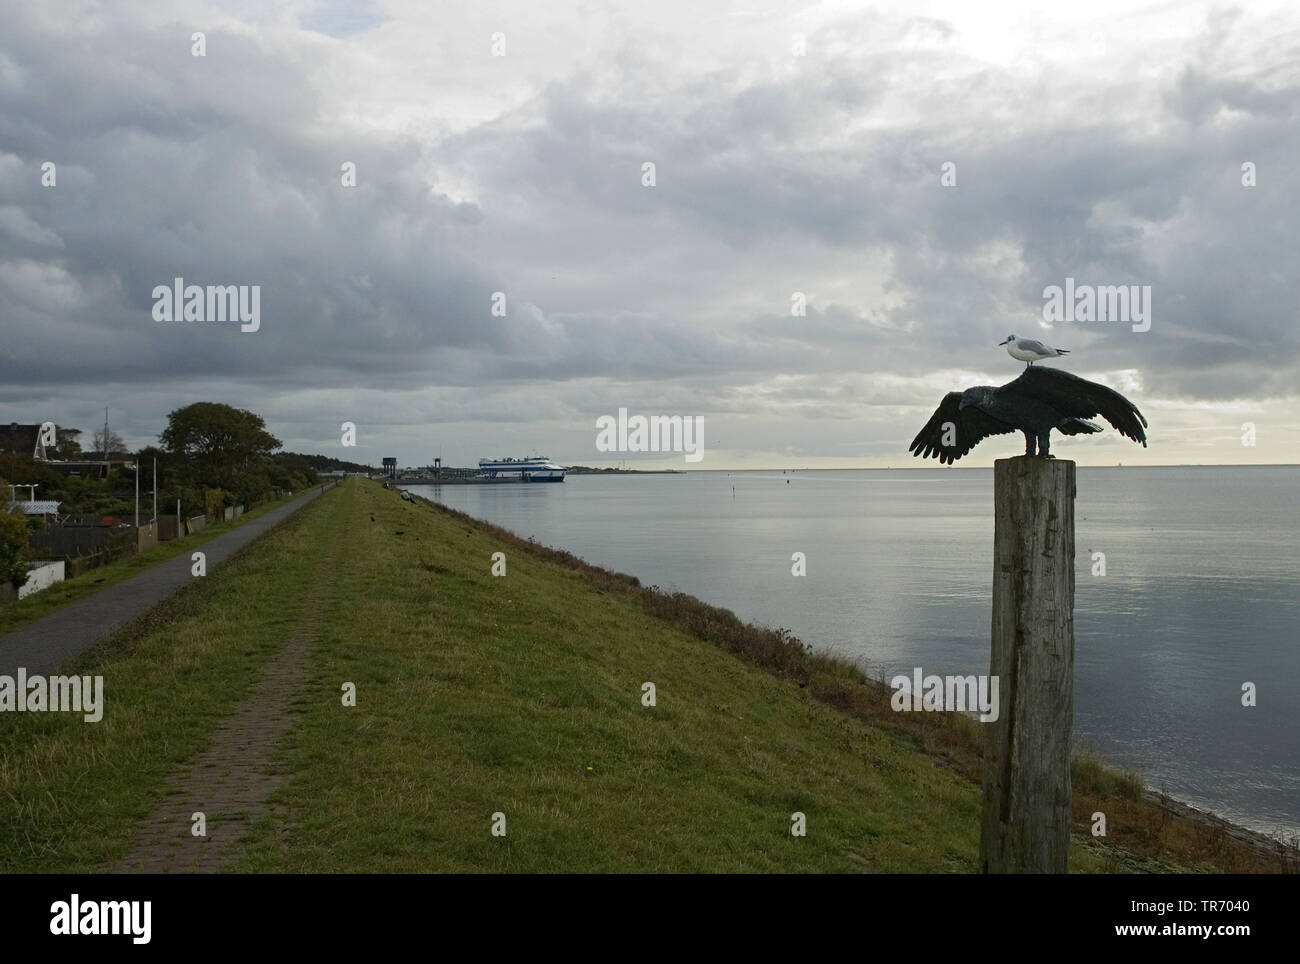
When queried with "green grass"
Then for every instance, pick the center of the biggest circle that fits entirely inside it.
(41, 604)
(1087, 770)
(521, 695)
(476, 695)
(72, 793)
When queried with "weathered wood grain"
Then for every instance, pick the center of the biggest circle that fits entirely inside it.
(1026, 819)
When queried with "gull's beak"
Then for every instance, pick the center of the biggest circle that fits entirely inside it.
(1001, 343)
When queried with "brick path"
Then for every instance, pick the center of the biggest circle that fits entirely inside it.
(232, 782)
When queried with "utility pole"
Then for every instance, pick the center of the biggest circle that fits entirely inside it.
(155, 490)
(137, 495)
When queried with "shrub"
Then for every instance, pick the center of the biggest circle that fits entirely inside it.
(13, 548)
(214, 501)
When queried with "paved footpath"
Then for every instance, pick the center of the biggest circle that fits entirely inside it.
(41, 646)
(233, 781)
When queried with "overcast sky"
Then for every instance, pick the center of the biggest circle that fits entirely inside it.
(1103, 143)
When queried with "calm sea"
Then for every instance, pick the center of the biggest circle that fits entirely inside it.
(1201, 592)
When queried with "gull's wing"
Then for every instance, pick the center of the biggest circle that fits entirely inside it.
(1077, 397)
(1033, 344)
(971, 426)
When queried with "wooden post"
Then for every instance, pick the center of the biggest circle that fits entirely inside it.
(1026, 823)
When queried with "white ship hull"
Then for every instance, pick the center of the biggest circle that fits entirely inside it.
(521, 470)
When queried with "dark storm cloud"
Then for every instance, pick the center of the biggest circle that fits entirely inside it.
(211, 169)
(226, 170)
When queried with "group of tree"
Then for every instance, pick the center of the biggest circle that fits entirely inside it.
(209, 455)
(13, 544)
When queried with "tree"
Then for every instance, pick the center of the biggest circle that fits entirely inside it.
(13, 542)
(67, 444)
(217, 444)
(114, 446)
(25, 470)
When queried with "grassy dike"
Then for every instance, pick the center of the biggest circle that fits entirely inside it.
(520, 695)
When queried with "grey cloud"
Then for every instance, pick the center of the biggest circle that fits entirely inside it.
(225, 170)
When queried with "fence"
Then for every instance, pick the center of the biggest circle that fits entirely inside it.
(63, 541)
(83, 543)
(42, 575)
(76, 566)
(168, 528)
(146, 537)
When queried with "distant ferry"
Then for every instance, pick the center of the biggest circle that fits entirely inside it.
(540, 469)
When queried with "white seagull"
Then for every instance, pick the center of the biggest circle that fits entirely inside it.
(1030, 350)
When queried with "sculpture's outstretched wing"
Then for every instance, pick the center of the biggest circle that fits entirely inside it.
(1077, 397)
(970, 426)
(1078, 426)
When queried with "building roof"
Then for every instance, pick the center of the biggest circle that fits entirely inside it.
(15, 437)
(39, 507)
